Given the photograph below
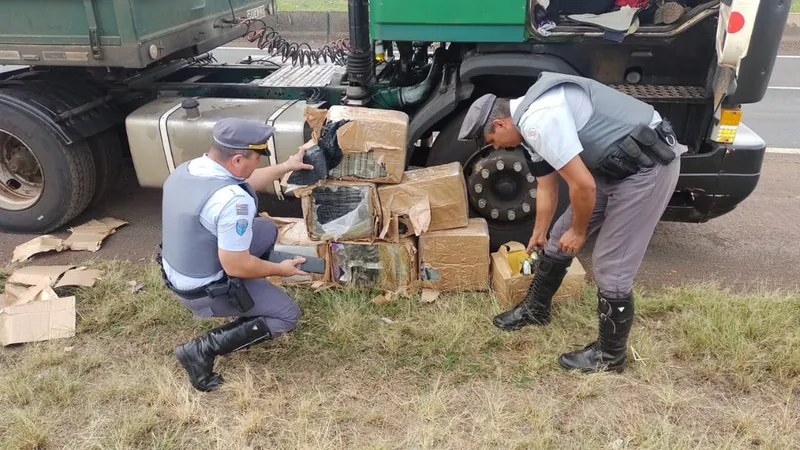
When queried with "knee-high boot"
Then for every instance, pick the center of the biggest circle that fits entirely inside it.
(609, 351)
(198, 356)
(535, 308)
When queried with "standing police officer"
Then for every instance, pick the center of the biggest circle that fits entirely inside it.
(214, 247)
(621, 162)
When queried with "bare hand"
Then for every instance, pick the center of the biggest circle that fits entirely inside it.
(289, 268)
(295, 162)
(571, 242)
(537, 242)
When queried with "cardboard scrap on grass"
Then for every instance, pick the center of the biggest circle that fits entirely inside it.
(88, 236)
(30, 308)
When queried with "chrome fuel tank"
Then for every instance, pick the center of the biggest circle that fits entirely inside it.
(162, 134)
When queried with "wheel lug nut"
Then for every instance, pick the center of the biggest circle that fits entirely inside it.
(526, 207)
(533, 193)
(485, 174)
(481, 203)
(511, 215)
(531, 178)
(495, 214)
(517, 167)
(500, 165)
(478, 188)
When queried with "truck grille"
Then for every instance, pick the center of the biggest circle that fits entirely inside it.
(662, 93)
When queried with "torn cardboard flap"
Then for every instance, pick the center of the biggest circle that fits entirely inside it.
(40, 244)
(293, 238)
(437, 191)
(44, 317)
(90, 235)
(80, 277)
(38, 275)
(315, 118)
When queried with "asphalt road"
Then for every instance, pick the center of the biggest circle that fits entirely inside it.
(753, 247)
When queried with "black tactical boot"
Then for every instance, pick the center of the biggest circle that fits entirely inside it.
(535, 308)
(609, 351)
(197, 356)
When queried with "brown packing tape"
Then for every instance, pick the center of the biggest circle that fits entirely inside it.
(369, 128)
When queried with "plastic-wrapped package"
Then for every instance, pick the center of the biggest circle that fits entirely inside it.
(293, 238)
(341, 210)
(385, 265)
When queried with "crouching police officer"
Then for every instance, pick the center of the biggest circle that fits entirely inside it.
(621, 161)
(214, 247)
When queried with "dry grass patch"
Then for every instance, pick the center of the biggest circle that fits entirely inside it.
(711, 370)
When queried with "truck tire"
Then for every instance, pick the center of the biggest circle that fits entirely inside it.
(45, 184)
(107, 155)
(447, 148)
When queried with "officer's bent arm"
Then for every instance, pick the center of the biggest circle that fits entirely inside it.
(546, 200)
(263, 177)
(582, 193)
(244, 265)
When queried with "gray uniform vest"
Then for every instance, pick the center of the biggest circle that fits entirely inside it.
(187, 245)
(613, 118)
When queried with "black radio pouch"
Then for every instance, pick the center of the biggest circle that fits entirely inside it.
(654, 145)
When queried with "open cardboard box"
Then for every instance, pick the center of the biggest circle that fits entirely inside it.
(429, 199)
(350, 210)
(373, 143)
(385, 265)
(510, 286)
(293, 238)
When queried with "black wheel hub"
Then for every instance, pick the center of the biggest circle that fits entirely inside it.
(501, 186)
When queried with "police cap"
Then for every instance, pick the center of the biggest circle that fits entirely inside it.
(474, 121)
(243, 134)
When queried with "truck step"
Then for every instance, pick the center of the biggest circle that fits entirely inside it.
(289, 75)
(663, 93)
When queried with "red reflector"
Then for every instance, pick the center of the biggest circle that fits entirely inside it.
(735, 22)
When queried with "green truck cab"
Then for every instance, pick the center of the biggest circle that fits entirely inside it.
(104, 79)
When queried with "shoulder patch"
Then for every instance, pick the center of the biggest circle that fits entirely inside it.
(242, 209)
(532, 133)
(241, 226)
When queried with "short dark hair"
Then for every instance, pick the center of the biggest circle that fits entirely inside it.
(500, 110)
(227, 153)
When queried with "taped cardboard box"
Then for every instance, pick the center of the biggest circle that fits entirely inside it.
(373, 142)
(385, 265)
(429, 199)
(38, 315)
(510, 286)
(293, 238)
(341, 210)
(456, 260)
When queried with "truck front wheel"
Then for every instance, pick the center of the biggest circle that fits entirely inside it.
(43, 183)
(500, 187)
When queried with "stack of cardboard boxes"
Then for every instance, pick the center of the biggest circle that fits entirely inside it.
(380, 226)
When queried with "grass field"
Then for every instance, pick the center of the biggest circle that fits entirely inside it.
(710, 370)
(795, 6)
(311, 5)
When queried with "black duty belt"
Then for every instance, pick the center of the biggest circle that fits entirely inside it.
(233, 289)
(642, 148)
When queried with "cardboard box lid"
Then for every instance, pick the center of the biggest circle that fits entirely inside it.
(369, 128)
(476, 226)
(432, 194)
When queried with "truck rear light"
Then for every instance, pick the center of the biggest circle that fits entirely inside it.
(725, 131)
